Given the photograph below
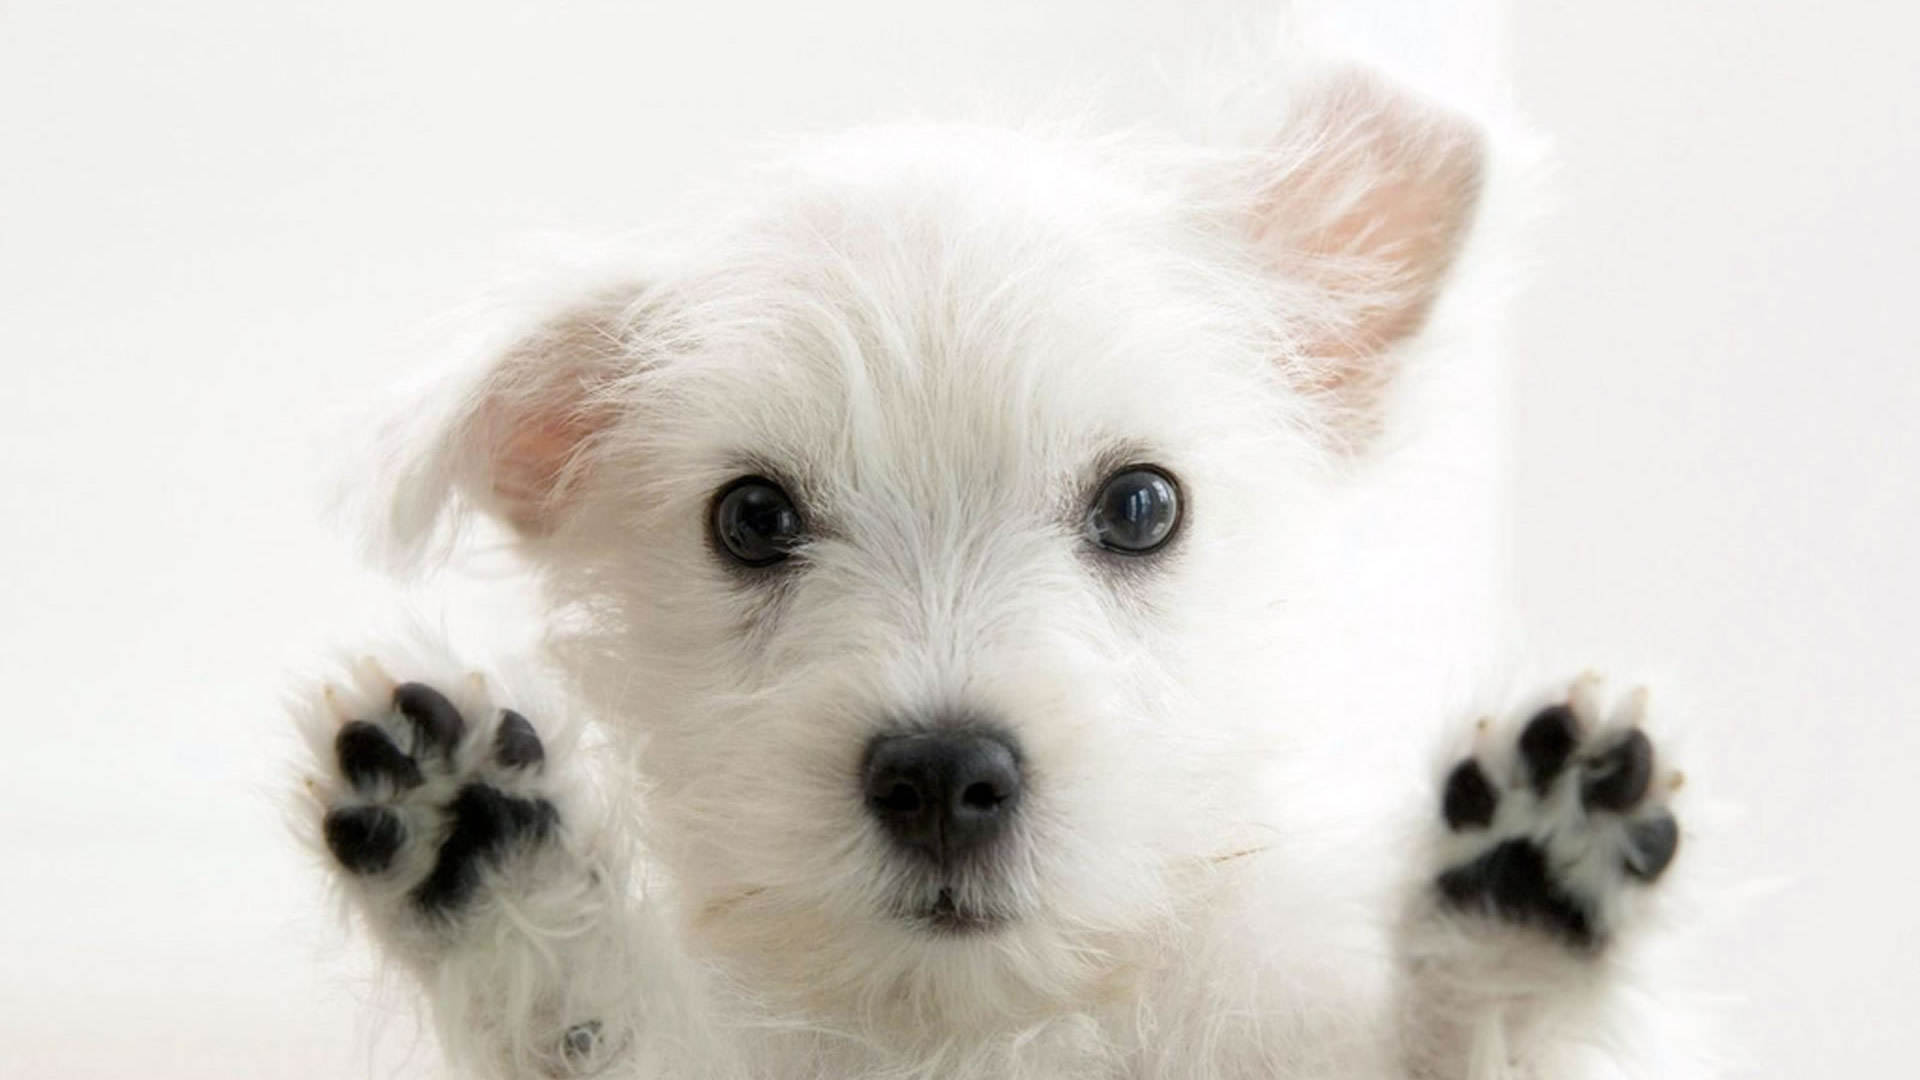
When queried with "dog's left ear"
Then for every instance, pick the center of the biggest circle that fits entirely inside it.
(1361, 208)
(520, 442)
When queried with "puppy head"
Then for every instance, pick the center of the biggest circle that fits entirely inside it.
(929, 523)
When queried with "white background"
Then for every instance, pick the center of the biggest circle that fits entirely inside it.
(223, 225)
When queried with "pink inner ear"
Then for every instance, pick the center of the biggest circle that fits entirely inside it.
(538, 416)
(1371, 214)
(534, 459)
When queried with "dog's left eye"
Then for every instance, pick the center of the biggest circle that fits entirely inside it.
(1136, 511)
(755, 523)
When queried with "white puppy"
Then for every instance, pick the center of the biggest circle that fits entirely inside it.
(952, 555)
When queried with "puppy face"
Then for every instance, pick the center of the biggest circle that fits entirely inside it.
(926, 527)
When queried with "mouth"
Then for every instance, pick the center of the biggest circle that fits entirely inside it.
(947, 916)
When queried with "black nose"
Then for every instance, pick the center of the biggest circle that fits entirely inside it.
(944, 794)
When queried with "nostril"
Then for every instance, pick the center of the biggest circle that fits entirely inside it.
(899, 798)
(981, 796)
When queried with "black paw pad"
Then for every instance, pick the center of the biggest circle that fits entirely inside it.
(581, 1041)
(486, 823)
(364, 838)
(368, 757)
(436, 723)
(1651, 846)
(1618, 779)
(1514, 882)
(1547, 744)
(516, 745)
(1470, 798)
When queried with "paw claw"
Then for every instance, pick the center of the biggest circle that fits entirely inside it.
(1632, 711)
(369, 671)
(1583, 696)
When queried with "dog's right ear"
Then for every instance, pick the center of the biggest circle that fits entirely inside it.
(520, 441)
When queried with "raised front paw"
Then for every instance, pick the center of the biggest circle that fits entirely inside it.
(1551, 828)
(425, 801)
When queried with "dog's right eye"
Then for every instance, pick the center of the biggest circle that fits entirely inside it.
(754, 522)
(1135, 512)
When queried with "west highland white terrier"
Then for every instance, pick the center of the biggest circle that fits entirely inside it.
(996, 632)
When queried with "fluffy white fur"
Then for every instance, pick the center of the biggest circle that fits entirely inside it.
(939, 339)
